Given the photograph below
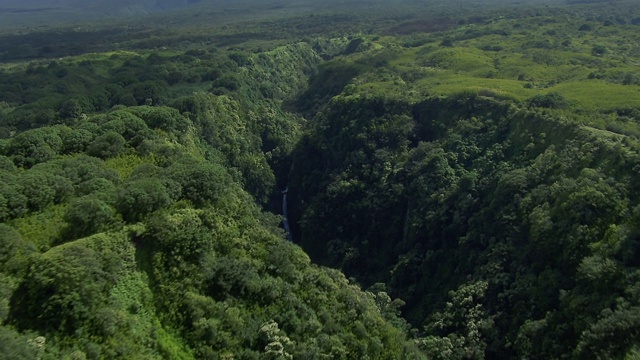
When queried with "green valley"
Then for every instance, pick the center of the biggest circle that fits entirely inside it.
(462, 181)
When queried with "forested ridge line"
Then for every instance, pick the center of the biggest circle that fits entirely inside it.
(129, 192)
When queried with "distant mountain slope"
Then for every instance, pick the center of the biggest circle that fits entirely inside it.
(103, 6)
(44, 12)
(132, 7)
(16, 13)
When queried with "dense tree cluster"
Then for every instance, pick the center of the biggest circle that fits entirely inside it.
(132, 229)
(477, 213)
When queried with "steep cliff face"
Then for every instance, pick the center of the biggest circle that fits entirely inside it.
(493, 192)
(469, 196)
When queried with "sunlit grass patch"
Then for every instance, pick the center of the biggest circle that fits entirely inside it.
(448, 84)
(526, 68)
(405, 57)
(125, 164)
(494, 43)
(599, 95)
(42, 228)
(387, 89)
(182, 89)
(467, 59)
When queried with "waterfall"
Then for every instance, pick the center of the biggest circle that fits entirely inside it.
(285, 220)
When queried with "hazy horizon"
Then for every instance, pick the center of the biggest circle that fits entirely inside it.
(37, 13)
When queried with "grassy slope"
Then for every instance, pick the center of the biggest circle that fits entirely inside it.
(509, 65)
